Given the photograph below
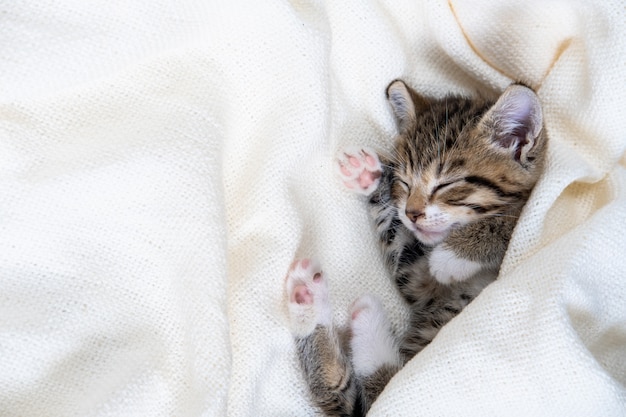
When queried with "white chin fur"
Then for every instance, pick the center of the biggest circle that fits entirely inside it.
(427, 238)
(430, 239)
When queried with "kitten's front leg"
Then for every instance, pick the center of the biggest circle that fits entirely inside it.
(326, 366)
(360, 169)
(471, 249)
(364, 172)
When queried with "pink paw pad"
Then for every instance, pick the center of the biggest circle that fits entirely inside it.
(360, 169)
(302, 279)
(307, 293)
(301, 295)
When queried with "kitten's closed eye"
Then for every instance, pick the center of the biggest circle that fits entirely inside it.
(404, 185)
(442, 186)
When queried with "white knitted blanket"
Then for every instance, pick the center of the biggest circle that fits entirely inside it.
(162, 163)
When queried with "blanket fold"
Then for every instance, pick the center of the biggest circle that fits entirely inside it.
(162, 163)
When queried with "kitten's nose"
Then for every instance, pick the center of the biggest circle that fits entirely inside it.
(413, 215)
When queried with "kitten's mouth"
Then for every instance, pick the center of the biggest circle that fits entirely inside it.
(430, 236)
(433, 236)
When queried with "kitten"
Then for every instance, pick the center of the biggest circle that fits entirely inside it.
(444, 204)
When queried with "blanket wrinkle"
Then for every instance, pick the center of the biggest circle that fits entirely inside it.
(473, 46)
(163, 162)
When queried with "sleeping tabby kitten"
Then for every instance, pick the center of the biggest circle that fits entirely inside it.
(444, 204)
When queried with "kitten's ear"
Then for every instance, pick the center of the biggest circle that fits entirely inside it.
(515, 121)
(404, 103)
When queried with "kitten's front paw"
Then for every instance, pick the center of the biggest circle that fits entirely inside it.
(446, 267)
(359, 169)
(308, 297)
(373, 344)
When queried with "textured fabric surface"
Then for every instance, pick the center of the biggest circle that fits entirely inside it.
(163, 162)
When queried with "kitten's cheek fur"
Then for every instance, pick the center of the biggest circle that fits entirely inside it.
(447, 268)
(373, 344)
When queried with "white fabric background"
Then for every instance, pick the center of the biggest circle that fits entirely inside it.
(163, 162)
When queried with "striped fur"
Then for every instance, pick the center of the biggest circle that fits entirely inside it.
(444, 205)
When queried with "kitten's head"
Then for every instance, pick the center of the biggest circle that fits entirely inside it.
(458, 160)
